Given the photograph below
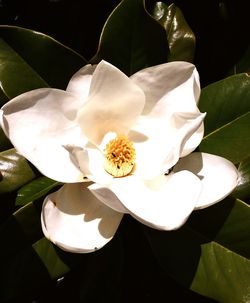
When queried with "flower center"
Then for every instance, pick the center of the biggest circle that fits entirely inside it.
(119, 156)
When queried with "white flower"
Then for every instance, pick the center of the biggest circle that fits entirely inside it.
(132, 138)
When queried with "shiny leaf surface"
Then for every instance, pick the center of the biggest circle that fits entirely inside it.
(16, 75)
(181, 39)
(131, 39)
(53, 62)
(227, 124)
(15, 171)
(35, 189)
(242, 191)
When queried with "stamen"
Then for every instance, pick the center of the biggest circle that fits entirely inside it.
(119, 156)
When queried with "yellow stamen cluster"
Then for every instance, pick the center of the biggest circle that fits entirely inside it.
(119, 156)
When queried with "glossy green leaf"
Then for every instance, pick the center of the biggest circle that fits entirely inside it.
(53, 62)
(131, 39)
(181, 39)
(242, 191)
(210, 253)
(16, 75)
(15, 171)
(35, 189)
(227, 124)
(48, 253)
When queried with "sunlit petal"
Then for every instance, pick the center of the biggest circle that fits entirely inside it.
(79, 84)
(171, 88)
(164, 203)
(91, 163)
(218, 176)
(172, 85)
(73, 219)
(193, 141)
(105, 195)
(39, 123)
(159, 142)
(113, 105)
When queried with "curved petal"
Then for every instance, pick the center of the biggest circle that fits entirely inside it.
(106, 196)
(108, 108)
(164, 203)
(73, 219)
(218, 176)
(193, 142)
(39, 124)
(91, 163)
(174, 84)
(80, 82)
(159, 141)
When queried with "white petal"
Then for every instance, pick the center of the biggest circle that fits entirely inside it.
(39, 123)
(175, 84)
(73, 219)
(113, 105)
(171, 88)
(105, 195)
(79, 84)
(164, 203)
(218, 176)
(193, 141)
(90, 161)
(159, 142)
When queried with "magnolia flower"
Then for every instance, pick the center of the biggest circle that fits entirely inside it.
(122, 146)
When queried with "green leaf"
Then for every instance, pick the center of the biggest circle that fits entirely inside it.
(242, 190)
(227, 124)
(35, 189)
(181, 39)
(131, 39)
(48, 58)
(48, 253)
(15, 74)
(210, 253)
(15, 171)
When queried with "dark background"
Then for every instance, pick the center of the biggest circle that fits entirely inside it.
(221, 27)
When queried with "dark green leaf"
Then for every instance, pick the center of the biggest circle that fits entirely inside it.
(181, 39)
(210, 253)
(48, 254)
(242, 191)
(52, 61)
(35, 189)
(131, 39)
(15, 74)
(227, 124)
(15, 171)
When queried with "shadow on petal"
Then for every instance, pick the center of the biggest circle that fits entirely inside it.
(76, 221)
